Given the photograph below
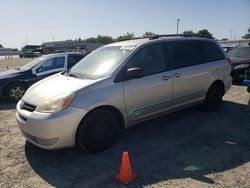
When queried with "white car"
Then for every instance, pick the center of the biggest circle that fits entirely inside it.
(119, 85)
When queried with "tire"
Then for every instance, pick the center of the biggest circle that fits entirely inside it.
(213, 97)
(97, 131)
(15, 91)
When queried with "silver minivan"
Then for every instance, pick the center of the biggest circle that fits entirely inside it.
(119, 85)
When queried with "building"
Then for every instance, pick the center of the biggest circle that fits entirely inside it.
(8, 51)
(34, 48)
(68, 45)
(234, 43)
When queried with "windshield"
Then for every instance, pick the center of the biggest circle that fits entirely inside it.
(240, 52)
(101, 62)
(32, 63)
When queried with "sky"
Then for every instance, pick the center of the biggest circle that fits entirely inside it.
(34, 21)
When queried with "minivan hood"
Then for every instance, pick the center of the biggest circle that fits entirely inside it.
(239, 60)
(53, 86)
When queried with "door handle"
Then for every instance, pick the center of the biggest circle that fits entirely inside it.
(177, 75)
(166, 78)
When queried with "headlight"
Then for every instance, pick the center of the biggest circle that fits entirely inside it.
(57, 103)
(241, 66)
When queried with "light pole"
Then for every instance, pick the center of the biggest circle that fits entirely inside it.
(178, 25)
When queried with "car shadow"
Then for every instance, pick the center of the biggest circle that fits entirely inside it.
(4, 105)
(190, 143)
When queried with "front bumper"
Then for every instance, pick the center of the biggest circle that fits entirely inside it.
(50, 131)
(240, 74)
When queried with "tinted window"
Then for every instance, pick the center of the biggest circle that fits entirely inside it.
(211, 51)
(72, 60)
(51, 64)
(185, 53)
(150, 59)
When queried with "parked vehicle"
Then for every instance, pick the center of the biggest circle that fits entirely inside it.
(240, 57)
(119, 85)
(228, 49)
(37, 54)
(14, 83)
(26, 54)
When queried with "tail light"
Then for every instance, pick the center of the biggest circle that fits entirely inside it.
(229, 61)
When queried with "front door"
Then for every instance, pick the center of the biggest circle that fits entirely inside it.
(152, 93)
(48, 68)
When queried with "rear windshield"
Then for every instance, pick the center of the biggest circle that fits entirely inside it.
(239, 52)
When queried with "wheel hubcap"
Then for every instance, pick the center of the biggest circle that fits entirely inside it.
(16, 92)
(99, 130)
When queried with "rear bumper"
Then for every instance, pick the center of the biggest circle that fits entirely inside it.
(228, 83)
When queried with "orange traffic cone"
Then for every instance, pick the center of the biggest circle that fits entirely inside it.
(126, 174)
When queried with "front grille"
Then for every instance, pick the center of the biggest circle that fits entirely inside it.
(27, 107)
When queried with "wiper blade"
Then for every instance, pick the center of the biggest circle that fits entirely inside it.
(74, 75)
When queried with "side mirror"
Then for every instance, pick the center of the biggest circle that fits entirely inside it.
(135, 72)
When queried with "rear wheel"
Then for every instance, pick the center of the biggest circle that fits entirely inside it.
(15, 91)
(213, 97)
(98, 131)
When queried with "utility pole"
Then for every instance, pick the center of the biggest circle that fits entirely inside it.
(178, 25)
(231, 34)
(27, 38)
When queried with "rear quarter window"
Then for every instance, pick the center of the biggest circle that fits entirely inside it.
(211, 51)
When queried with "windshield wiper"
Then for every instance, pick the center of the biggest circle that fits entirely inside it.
(74, 75)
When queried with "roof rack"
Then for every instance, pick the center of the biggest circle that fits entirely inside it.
(176, 35)
(169, 35)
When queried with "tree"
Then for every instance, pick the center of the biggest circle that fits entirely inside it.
(104, 39)
(224, 39)
(1, 46)
(127, 36)
(100, 39)
(205, 34)
(189, 33)
(247, 36)
(91, 40)
(148, 34)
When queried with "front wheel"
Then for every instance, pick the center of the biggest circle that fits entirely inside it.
(14, 92)
(213, 97)
(98, 131)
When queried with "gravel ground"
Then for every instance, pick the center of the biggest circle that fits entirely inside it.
(189, 148)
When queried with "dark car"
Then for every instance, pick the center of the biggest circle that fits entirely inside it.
(227, 49)
(14, 83)
(240, 59)
(26, 54)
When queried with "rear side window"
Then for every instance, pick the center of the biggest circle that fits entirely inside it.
(184, 53)
(211, 51)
